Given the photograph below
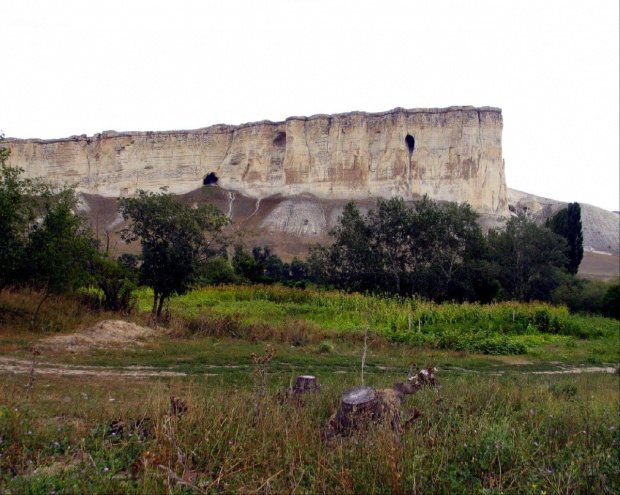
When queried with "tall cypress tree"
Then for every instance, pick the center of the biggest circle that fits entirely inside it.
(567, 223)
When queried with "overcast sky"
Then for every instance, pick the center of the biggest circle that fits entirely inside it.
(81, 67)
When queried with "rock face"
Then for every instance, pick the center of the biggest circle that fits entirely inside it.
(450, 154)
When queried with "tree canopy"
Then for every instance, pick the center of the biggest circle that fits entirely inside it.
(567, 223)
(427, 248)
(175, 239)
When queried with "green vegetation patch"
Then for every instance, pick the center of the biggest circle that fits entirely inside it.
(497, 329)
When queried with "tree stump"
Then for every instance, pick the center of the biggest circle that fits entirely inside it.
(305, 383)
(357, 409)
(362, 405)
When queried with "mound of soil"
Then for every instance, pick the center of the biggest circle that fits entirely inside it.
(105, 334)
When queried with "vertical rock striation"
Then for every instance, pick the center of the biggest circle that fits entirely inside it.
(450, 154)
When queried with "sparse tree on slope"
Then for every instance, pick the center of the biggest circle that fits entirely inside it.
(175, 239)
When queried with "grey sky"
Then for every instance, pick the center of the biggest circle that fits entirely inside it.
(80, 67)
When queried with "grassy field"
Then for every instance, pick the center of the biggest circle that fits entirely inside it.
(500, 422)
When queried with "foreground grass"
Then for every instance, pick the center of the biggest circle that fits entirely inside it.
(481, 431)
(510, 434)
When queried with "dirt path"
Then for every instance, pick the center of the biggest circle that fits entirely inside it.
(23, 366)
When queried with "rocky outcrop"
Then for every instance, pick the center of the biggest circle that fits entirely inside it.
(450, 154)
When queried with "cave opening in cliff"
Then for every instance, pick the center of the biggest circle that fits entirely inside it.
(210, 178)
(410, 143)
(280, 139)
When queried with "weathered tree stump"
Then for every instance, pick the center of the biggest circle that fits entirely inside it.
(305, 383)
(361, 406)
(357, 409)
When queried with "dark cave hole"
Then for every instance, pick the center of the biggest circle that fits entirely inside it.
(210, 178)
(280, 139)
(410, 143)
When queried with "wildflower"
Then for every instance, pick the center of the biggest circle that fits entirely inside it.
(549, 471)
(612, 428)
(105, 469)
(496, 447)
(536, 444)
(551, 415)
(531, 412)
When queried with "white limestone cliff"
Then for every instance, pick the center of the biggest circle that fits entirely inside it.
(450, 154)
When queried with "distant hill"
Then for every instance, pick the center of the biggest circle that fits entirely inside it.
(601, 228)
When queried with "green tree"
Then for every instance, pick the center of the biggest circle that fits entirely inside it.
(348, 263)
(60, 249)
(247, 266)
(16, 214)
(430, 249)
(215, 271)
(567, 223)
(43, 243)
(611, 302)
(529, 259)
(175, 240)
(116, 282)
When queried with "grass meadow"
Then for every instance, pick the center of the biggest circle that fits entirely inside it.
(510, 414)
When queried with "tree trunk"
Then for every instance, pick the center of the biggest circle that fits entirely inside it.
(161, 305)
(36, 313)
(155, 297)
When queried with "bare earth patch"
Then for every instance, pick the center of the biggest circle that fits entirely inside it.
(22, 366)
(116, 334)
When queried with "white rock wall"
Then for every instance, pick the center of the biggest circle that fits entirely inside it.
(457, 156)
